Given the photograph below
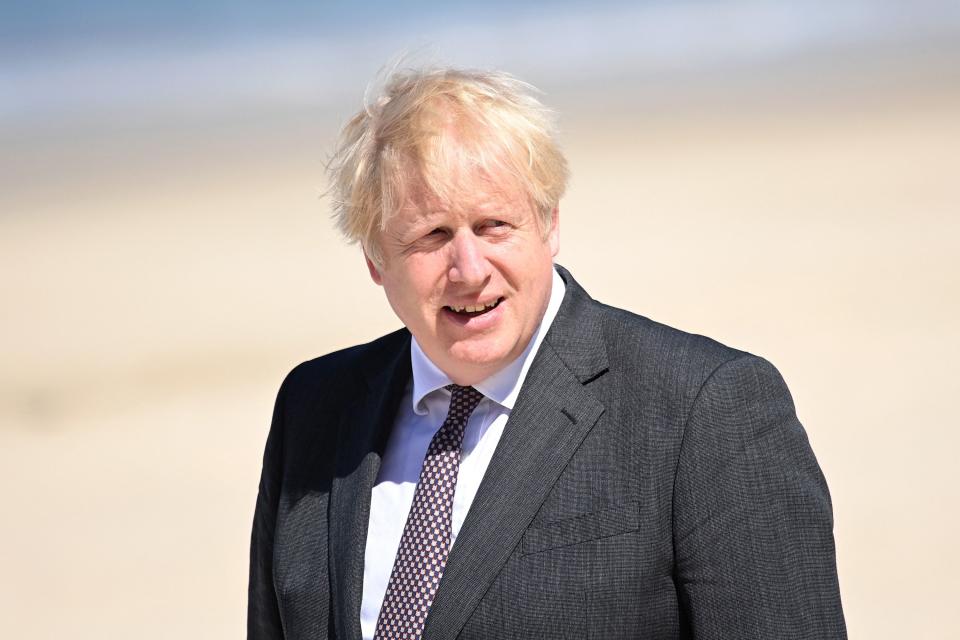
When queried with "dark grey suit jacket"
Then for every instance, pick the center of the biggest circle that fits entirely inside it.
(649, 483)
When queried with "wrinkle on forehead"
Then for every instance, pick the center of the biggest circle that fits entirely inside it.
(467, 193)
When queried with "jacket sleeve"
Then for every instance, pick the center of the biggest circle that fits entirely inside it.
(263, 613)
(752, 520)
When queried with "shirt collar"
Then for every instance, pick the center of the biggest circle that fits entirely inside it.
(504, 385)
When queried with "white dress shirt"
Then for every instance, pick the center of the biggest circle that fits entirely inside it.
(421, 413)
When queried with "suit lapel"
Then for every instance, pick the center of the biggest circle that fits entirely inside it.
(553, 413)
(362, 439)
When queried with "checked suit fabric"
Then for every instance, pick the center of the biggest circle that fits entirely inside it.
(425, 542)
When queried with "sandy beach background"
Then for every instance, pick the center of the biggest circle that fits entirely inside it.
(166, 257)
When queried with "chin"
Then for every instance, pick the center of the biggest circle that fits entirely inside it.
(476, 358)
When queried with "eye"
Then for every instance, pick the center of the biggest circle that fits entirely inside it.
(494, 224)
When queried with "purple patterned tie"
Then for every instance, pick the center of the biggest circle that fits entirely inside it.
(422, 554)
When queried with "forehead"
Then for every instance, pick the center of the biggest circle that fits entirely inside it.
(462, 192)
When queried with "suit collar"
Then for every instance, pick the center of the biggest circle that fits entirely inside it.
(576, 334)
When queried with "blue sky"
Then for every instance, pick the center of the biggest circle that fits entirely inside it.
(52, 19)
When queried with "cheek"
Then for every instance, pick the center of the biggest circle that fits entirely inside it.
(416, 292)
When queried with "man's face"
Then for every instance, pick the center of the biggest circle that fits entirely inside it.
(471, 281)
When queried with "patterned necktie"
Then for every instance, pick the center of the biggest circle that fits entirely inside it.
(425, 543)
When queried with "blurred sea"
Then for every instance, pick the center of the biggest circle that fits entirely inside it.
(64, 62)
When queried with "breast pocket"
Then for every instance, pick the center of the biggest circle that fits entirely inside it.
(590, 526)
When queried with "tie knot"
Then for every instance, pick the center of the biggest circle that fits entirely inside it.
(463, 399)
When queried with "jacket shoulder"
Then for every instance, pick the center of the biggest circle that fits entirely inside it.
(340, 371)
(662, 358)
(650, 334)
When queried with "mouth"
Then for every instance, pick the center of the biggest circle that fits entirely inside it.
(473, 311)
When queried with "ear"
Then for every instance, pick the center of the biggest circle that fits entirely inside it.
(373, 269)
(553, 236)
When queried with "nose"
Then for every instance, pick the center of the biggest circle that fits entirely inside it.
(468, 262)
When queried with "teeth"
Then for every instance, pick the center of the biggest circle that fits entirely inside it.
(474, 308)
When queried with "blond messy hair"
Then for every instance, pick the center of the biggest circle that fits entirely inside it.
(426, 124)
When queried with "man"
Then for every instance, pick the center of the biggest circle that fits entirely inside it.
(521, 461)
